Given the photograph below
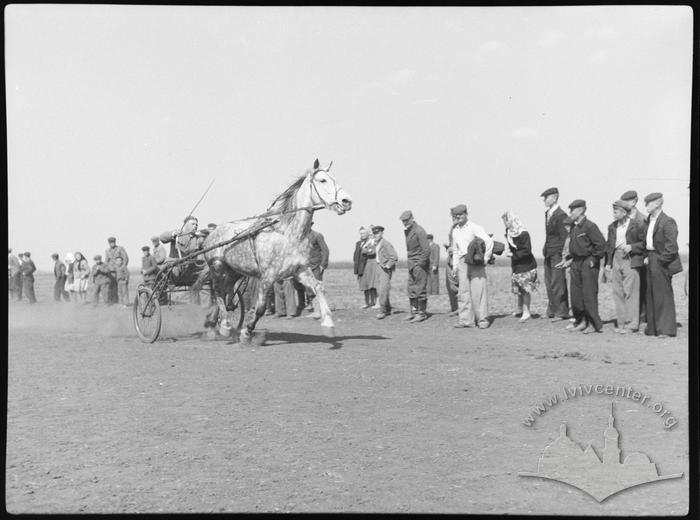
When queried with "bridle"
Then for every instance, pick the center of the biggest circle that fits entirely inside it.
(313, 187)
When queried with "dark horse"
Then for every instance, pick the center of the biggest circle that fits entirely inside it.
(278, 251)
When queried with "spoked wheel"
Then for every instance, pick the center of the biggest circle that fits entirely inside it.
(147, 315)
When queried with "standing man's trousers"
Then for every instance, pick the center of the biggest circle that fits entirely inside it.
(661, 307)
(557, 293)
(472, 294)
(625, 285)
(584, 291)
(383, 289)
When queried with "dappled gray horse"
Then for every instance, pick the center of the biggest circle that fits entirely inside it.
(278, 251)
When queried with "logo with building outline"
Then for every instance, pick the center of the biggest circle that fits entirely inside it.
(565, 461)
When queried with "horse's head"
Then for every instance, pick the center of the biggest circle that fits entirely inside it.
(326, 190)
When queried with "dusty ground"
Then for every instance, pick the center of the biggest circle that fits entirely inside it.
(389, 417)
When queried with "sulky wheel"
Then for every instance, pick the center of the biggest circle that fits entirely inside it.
(147, 315)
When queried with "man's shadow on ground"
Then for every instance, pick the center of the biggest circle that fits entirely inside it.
(286, 338)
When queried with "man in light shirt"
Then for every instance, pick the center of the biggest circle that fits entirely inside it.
(623, 254)
(662, 261)
(470, 270)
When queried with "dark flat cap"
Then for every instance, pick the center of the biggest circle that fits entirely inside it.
(578, 203)
(406, 215)
(459, 209)
(211, 225)
(629, 195)
(549, 191)
(54, 255)
(429, 236)
(26, 253)
(145, 248)
(653, 196)
(377, 228)
(155, 239)
(97, 257)
(111, 239)
(622, 204)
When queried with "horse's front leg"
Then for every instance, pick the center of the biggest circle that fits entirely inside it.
(307, 278)
(256, 312)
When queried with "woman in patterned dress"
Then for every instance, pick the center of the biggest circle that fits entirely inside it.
(523, 264)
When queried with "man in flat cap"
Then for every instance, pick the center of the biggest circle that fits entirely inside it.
(555, 236)
(386, 264)
(469, 238)
(662, 262)
(587, 248)
(624, 254)
(102, 277)
(111, 254)
(149, 267)
(28, 268)
(60, 276)
(640, 218)
(418, 260)
(630, 197)
(434, 267)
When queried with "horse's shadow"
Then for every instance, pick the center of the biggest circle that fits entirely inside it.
(287, 338)
(280, 338)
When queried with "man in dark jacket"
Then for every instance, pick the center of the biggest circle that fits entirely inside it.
(418, 260)
(624, 254)
(149, 266)
(101, 276)
(59, 273)
(587, 248)
(662, 261)
(555, 235)
(640, 218)
(28, 269)
(318, 263)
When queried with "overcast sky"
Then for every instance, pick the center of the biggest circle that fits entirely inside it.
(118, 117)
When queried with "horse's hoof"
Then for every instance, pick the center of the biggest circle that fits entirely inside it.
(244, 338)
(259, 338)
(225, 329)
(329, 332)
(211, 334)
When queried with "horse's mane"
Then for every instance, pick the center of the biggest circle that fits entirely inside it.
(285, 201)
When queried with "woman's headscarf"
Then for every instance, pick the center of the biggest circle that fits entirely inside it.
(69, 258)
(513, 226)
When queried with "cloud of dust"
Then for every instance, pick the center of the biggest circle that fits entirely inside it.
(108, 321)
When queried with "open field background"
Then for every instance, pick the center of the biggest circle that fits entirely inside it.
(386, 417)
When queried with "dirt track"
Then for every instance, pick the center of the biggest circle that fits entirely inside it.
(387, 417)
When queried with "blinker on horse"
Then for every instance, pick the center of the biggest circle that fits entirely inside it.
(278, 251)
